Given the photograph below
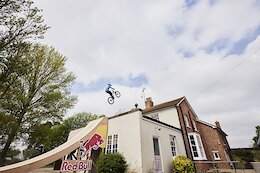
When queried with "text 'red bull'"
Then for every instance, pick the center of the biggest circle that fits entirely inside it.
(94, 142)
(76, 165)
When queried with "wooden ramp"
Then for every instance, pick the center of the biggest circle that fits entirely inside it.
(57, 153)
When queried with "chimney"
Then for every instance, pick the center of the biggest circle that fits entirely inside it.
(218, 124)
(148, 102)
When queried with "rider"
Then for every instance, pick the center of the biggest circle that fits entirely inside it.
(109, 86)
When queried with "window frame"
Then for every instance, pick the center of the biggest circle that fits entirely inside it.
(115, 143)
(173, 147)
(196, 145)
(187, 121)
(195, 125)
(214, 155)
(112, 144)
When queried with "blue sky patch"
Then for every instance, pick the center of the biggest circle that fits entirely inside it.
(240, 46)
(100, 84)
(174, 31)
(217, 45)
(190, 3)
(188, 54)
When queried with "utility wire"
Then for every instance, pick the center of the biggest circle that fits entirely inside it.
(229, 71)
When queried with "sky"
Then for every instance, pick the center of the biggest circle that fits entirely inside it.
(206, 50)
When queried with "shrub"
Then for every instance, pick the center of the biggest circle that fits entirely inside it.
(114, 162)
(182, 164)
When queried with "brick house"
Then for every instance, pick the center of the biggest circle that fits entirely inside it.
(151, 138)
(206, 144)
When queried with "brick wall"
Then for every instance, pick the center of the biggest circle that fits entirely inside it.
(213, 139)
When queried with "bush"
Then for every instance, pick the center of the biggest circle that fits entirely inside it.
(182, 164)
(113, 162)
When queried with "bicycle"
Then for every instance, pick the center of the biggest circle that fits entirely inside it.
(115, 94)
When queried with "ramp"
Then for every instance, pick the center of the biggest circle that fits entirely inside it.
(57, 153)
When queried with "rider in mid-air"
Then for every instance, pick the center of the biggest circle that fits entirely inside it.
(109, 86)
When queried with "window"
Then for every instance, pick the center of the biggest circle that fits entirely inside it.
(112, 143)
(197, 149)
(115, 140)
(155, 116)
(186, 121)
(194, 125)
(156, 147)
(109, 144)
(216, 155)
(173, 145)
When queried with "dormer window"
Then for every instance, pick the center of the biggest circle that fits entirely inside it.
(155, 116)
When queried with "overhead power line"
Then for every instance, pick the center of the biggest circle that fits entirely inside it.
(229, 71)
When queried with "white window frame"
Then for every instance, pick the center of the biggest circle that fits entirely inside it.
(173, 145)
(216, 155)
(194, 125)
(186, 121)
(109, 144)
(197, 146)
(112, 144)
(115, 143)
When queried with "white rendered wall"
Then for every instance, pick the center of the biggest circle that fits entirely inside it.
(150, 129)
(129, 140)
(168, 116)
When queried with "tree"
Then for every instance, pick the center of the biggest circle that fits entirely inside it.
(47, 136)
(39, 92)
(80, 120)
(113, 162)
(256, 137)
(20, 22)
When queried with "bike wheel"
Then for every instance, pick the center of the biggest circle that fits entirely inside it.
(110, 100)
(117, 94)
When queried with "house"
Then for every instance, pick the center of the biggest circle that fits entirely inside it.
(205, 144)
(151, 138)
(149, 145)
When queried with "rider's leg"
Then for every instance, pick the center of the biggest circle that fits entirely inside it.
(110, 93)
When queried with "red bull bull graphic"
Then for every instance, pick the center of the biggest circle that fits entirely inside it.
(94, 142)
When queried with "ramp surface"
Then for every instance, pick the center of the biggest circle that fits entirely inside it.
(57, 153)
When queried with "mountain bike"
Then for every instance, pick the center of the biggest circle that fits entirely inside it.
(115, 94)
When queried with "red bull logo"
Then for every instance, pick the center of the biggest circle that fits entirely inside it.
(76, 165)
(94, 142)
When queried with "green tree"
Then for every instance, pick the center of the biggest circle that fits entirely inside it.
(39, 91)
(257, 136)
(80, 120)
(113, 162)
(20, 22)
(45, 137)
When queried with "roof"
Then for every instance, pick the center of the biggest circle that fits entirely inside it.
(125, 113)
(212, 126)
(174, 103)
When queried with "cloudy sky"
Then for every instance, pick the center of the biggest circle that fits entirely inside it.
(206, 50)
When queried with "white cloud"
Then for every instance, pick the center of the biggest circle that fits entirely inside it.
(107, 39)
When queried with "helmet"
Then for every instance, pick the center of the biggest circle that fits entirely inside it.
(109, 84)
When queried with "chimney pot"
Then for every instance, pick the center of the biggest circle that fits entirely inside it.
(148, 102)
(218, 124)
